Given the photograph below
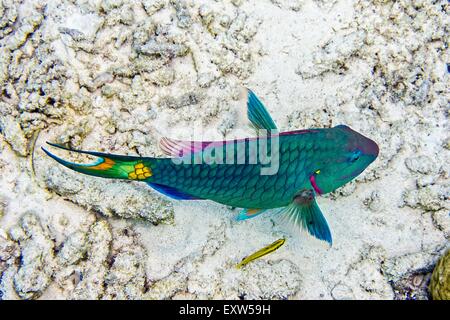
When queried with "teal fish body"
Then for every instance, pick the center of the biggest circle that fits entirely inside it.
(273, 170)
(322, 159)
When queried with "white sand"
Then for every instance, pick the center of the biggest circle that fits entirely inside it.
(115, 76)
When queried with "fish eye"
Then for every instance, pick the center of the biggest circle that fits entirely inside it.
(317, 171)
(355, 156)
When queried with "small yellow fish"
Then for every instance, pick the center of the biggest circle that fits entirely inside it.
(262, 252)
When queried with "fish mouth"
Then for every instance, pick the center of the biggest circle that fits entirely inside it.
(370, 147)
(366, 145)
(352, 175)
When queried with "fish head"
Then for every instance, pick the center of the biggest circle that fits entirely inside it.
(348, 154)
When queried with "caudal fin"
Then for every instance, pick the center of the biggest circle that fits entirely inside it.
(109, 165)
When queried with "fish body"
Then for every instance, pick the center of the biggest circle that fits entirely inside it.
(273, 170)
(301, 155)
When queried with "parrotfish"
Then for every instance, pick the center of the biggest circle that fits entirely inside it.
(261, 252)
(303, 164)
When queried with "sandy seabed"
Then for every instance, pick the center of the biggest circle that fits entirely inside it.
(115, 76)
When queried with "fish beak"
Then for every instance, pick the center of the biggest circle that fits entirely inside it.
(370, 148)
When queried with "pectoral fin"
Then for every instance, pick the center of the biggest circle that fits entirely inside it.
(304, 212)
(258, 114)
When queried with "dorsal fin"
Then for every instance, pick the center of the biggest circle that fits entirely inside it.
(258, 114)
(179, 148)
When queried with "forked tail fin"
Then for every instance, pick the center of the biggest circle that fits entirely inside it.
(109, 165)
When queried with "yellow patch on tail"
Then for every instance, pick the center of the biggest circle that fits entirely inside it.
(140, 172)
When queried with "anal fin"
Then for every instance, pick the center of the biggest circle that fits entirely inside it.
(172, 192)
